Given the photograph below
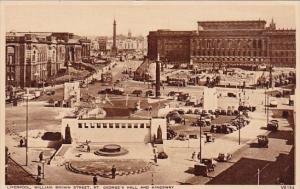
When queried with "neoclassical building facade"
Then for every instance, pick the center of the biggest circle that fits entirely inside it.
(231, 43)
(32, 58)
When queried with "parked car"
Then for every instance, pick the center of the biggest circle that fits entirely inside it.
(213, 128)
(162, 155)
(171, 93)
(183, 97)
(211, 112)
(209, 137)
(180, 111)
(189, 111)
(149, 93)
(118, 91)
(196, 111)
(262, 141)
(105, 91)
(273, 103)
(208, 121)
(182, 137)
(231, 94)
(50, 92)
(223, 112)
(210, 163)
(273, 125)
(189, 103)
(233, 128)
(225, 129)
(137, 92)
(224, 157)
(229, 112)
(199, 123)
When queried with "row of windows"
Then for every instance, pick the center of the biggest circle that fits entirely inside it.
(283, 53)
(228, 44)
(114, 125)
(228, 53)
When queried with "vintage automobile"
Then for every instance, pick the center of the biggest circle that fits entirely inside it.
(210, 163)
(262, 141)
(273, 103)
(224, 157)
(149, 93)
(272, 125)
(231, 94)
(200, 169)
(182, 137)
(162, 155)
(137, 92)
(209, 137)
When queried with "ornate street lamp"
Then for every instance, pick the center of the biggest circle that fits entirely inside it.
(26, 96)
(69, 64)
(44, 75)
(36, 76)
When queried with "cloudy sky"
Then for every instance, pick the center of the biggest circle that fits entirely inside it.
(139, 17)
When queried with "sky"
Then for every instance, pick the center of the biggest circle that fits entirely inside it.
(97, 19)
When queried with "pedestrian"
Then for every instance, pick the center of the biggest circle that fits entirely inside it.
(193, 156)
(39, 169)
(155, 159)
(38, 180)
(88, 148)
(41, 156)
(95, 180)
(113, 171)
(21, 143)
(198, 154)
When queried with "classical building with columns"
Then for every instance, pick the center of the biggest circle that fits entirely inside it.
(226, 43)
(33, 57)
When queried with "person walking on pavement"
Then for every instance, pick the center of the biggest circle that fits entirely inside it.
(155, 159)
(88, 148)
(95, 180)
(198, 156)
(21, 143)
(193, 156)
(41, 156)
(39, 169)
(113, 171)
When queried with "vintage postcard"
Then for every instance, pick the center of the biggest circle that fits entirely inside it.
(141, 94)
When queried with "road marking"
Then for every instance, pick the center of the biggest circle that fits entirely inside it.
(263, 168)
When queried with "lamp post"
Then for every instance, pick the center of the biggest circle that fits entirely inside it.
(26, 96)
(265, 99)
(44, 69)
(268, 108)
(69, 64)
(36, 74)
(200, 130)
(240, 121)
(43, 166)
